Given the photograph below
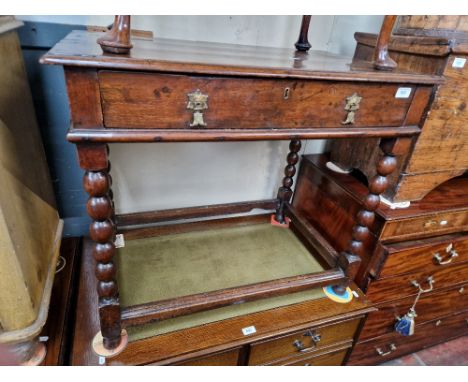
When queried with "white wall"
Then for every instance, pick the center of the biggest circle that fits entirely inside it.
(159, 176)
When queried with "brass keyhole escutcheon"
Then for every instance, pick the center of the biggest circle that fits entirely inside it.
(286, 93)
(198, 102)
(352, 105)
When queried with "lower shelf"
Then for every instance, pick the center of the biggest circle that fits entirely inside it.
(182, 269)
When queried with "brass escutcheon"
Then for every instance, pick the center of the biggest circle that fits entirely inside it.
(197, 101)
(352, 105)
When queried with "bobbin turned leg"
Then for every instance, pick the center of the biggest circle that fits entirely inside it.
(285, 191)
(100, 207)
(350, 259)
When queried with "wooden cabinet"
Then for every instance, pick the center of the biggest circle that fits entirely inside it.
(214, 266)
(398, 265)
(422, 44)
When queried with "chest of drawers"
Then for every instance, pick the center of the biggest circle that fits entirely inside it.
(409, 249)
(181, 91)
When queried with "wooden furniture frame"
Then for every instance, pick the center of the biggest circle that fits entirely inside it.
(88, 76)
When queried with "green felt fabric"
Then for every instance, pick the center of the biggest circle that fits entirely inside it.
(163, 267)
(144, 331)
(158, 268)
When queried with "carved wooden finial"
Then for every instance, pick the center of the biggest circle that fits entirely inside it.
(117, 39)
(382, 60)
(302, 43)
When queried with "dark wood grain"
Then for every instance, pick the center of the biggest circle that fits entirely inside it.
(60, 319)
(427, 334)
(192, 212)
(117, 39)
(144, 100)
(79, 48)
(160, 310)
(431, 306)
(382, 59)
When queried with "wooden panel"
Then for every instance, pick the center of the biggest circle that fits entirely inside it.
(223, 359)
(403, 260)
(428, 334)
(333, 358)
(429, 307)
(268, 351)
(79, 48)
(437, 224)
(143, 100)
(397, 287)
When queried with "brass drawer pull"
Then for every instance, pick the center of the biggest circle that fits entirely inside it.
(430, 281)
(438, 258)
(315, 338)
(380, 352)
(197, 101)
(352, 106)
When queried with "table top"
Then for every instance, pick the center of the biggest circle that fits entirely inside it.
(80, 48)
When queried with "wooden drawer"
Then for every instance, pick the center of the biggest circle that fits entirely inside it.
(401, 286)
(425, 255)
(332, 357)
(144, 100)
(311, 340)
(429, 307)
(428, 334)
(228, 358)
(425, 226)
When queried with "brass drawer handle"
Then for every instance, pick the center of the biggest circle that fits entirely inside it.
(438, 258)
(430, 281)
(380, 352)
(315, 338)
(197, 101)
(352, 106)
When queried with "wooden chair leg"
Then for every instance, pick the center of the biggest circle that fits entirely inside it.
(285, 191)
(350, 259)
(100, 207)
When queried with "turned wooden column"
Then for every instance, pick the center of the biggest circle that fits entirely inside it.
(302, 44)
(100, 207)
(350, 259)
(285, 192)
(382, 59)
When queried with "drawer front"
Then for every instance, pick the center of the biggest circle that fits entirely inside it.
(144, 100)
(429, 258)
(395, 345)
(302, 342)
(429, 307)
(398, 287)
(334, 358)
(427, 226)
(228, 358)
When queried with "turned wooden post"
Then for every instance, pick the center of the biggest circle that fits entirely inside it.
(302, 43)
(100, 207)
(285, 191)
(117, 39)
(382, 59)
(350, 259)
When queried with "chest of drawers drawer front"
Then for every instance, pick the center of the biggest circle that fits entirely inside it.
(428, 257)
(333, 358)
(228, 358)
(392, 346)
(143, 100)
(402, 286)
(302, 342)
(425, 226)
(429, 307)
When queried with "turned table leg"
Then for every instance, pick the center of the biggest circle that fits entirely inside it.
(285, 191)
(350, 259)
(100, 207)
